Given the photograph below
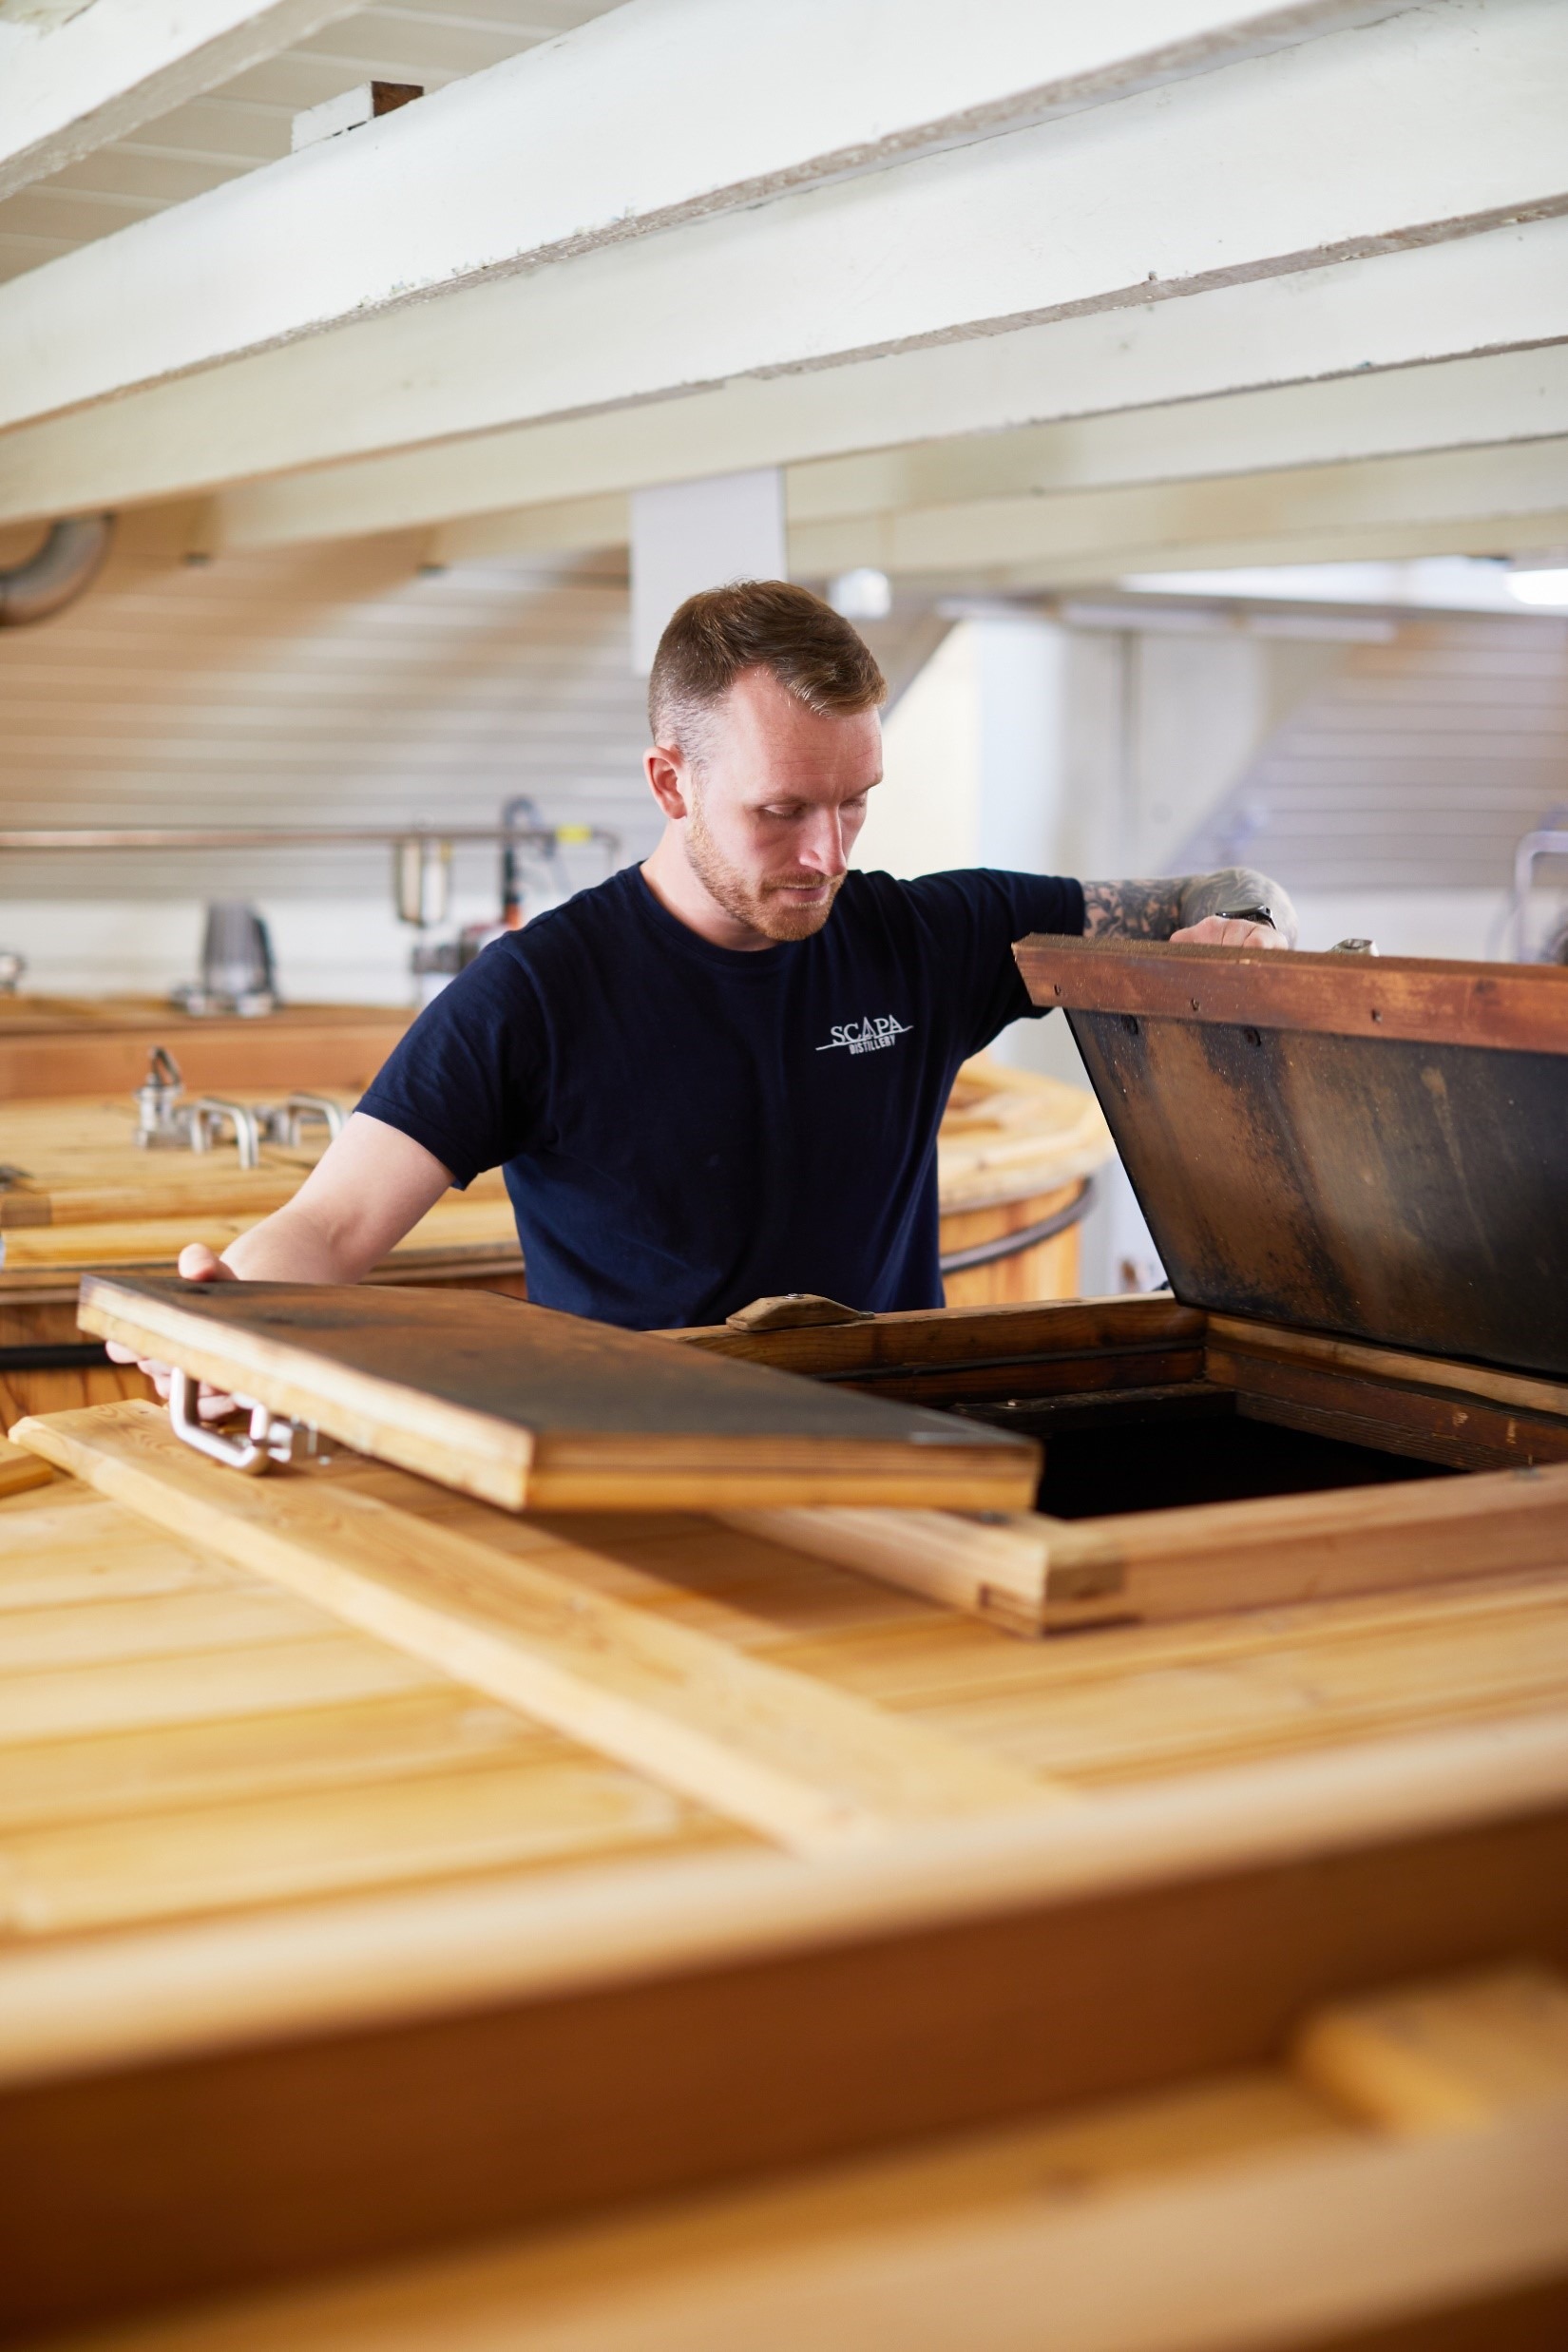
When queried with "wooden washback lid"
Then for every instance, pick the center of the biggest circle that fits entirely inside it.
(1372, 1147)
(527, 1408)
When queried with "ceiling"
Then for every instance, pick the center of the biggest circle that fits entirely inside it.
(247, 121)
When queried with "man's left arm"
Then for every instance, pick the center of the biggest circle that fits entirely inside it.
(1235, 907)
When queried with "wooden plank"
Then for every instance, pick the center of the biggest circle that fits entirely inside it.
(807, 1765)
(1262, 2229)
(1231, 1337)
(73, 1876)
(1465, 1435)
(1030, 1573)
(20, 1470)
(1183, 1562)
(1510, 1009)
(997, 1567)
(962, 1339)
(1434, 2058)
(520, 1406)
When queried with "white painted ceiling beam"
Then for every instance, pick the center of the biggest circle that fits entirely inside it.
(1462, 403)
(1493, 293)
(1519, 397)
(123, 63)
(1103, 527)
(1102, 212)
(1365, 542)
(662, 111)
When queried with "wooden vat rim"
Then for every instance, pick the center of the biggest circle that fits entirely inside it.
(370, 1961)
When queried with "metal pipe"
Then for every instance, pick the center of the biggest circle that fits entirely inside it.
(57, 575)
(282, 837)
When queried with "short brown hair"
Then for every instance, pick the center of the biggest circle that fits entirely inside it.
(756, 624)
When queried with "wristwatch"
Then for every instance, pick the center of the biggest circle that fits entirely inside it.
(1245, 914)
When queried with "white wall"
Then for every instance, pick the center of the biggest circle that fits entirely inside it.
(313, 686)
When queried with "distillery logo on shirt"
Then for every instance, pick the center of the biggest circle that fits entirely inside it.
(871, 1035)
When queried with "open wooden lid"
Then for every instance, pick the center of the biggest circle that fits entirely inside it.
(523, 1407)
(1369, 1145)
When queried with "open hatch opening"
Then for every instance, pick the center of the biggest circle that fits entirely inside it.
(1159, 1449)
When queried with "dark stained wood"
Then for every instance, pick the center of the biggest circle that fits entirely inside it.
(250, 2166)
(1507, 1008)
(1404, 1184)
(1435, 1426)
(938, 1338)
(520, 1404)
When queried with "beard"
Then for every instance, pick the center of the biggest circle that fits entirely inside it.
(767, 906)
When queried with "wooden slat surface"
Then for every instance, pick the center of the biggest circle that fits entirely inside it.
(806, 1765)
(522, 1406)
(178, 1738)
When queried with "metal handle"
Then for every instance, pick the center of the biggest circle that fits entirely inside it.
(269, 1440)
(301, 1107)
(247, 1135)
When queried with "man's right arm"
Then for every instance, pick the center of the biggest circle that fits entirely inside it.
(370, 1187)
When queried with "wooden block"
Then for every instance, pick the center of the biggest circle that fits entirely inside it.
(19, 1470)
(1432, 2057)
(521, 1406)
(996, 1567)
(810, 1767)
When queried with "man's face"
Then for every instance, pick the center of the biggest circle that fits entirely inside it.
(775, 801)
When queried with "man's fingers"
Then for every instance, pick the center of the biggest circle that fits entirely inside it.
(200, 1264)
(1228, 932)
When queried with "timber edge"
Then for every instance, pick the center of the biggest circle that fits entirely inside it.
(1031, 1574)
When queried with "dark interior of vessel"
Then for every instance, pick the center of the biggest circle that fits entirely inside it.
(1154, 1450)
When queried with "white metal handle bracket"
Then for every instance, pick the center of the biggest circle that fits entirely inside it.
(270, 1439)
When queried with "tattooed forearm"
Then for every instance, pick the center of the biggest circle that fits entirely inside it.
(1132, 909)
(1154, 910)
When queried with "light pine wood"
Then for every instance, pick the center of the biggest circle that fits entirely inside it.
(20, 1470)
(1436, 2057)
(523, 1407)
(997, 1567)
(773, 1749)
(1030, 1573)
(1205, 2218)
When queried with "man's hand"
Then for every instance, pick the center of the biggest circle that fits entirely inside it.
(1228, 932)
(1191, 909)
(197, 1264)
(370, 1186)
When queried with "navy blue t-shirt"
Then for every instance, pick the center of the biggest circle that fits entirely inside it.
(685, 1127)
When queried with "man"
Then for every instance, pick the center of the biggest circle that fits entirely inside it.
(719, 1076)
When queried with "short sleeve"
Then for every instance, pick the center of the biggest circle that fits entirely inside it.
(469, 1079)
(974, 916)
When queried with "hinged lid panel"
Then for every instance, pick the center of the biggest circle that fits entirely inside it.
(1372, 1146)
(524, 1407)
